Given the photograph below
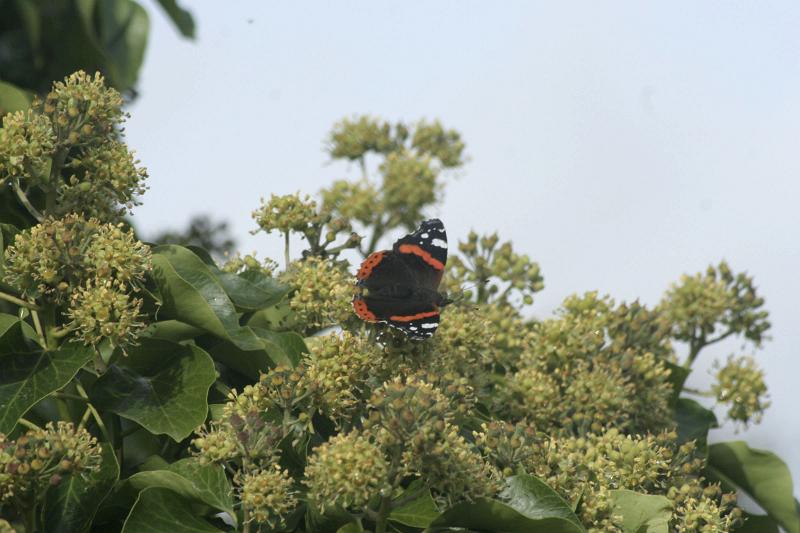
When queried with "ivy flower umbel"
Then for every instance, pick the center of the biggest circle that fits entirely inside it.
(268, 495)
(42, 457)
(286, 213)
(708, 307)
(83, 109)
(338, 370)
(347, 471)
(27, 142)
(740, 385)
(57, 256)
(506, 445)
(322, 294)
(104, 181)
(104, 310)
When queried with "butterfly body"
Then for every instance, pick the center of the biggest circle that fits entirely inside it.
(400, 286)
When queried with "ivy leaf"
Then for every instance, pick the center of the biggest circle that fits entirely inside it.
(159, 510)
(642, 513)
(532, 507)
(161, 385)
(677, 378)
(29, 374)
(12, 98)
(192, 294)
(122, 27)
(188, 478)
(249, 291)
(285, 348)
(694, 421)
(760, 474)
(180, 17)
(420, 512)
(758, 524)
(71, 506)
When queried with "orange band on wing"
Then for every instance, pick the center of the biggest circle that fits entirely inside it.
(416, 250)
(409, 318)
(363, 312)
(369, 264)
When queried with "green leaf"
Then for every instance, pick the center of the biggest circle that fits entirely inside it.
(159, 510)
(532, 497)
(758, 524)
(180, 17)
(172, 330)
(420, 512)
(29, 374)
(123, 26)
(12, 98)
(161, 385)
(192, 294)
(250, 290)
(694, 421)
(71, 506)
(642, 513)
(532, 507)
(204, 483)
(760, 474)
(285, 348)
(677, 378)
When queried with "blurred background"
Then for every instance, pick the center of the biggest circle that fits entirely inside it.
(619, 145)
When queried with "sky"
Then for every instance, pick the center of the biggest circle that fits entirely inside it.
(617, 144)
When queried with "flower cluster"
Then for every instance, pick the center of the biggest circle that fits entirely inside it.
(289, 213)
(740, 385)
(27, 141)
(338, 370)
(67, 146)
(353, 139)
(496, 270)
(409, 185)
(320, 228)
(588, 370)
(710, 306)
(104, 181)
(703, 508)
(247, 439)
(434, 140)
(268, 495)
(356, 200)
(508, 446)
(322, 294)
(347, 471)
(92, 268)
(83, 109)
(414, 421)
(41, 458)
(585, 469)
(237, 264)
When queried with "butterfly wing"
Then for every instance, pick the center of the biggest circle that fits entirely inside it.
(400, 285)
(425, 253)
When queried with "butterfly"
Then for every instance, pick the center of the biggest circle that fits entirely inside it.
(400, 287)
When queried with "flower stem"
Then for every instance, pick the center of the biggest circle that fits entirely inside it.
(286, 250)
(383, 515)
(18, 301)
(25, 202)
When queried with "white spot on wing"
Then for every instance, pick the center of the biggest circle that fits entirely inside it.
(430, 325)
(424, 235)
(439, 243)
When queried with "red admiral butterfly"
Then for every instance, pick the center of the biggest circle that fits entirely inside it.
(400, 286)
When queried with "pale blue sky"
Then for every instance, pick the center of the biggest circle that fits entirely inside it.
(619, 145)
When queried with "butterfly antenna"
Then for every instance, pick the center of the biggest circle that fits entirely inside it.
(461, 295)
